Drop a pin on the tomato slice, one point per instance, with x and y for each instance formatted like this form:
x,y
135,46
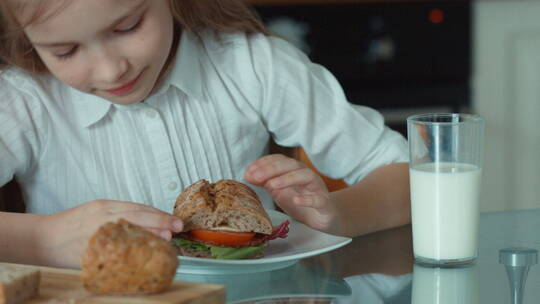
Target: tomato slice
x,y
221,237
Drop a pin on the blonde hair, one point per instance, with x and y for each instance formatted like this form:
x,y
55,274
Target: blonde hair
x,y
192,15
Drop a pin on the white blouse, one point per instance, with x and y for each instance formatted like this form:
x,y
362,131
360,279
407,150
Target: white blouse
x,y
213,115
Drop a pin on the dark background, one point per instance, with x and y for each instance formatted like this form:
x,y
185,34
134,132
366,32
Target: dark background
x,y
426,65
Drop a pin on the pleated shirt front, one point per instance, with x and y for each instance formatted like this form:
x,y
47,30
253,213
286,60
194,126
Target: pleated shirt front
x,y
214,114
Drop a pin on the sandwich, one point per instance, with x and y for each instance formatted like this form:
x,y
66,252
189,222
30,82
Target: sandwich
x,y
223,220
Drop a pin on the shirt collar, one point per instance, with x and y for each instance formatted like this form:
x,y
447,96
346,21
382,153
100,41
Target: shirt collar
x,y
184,75
90,108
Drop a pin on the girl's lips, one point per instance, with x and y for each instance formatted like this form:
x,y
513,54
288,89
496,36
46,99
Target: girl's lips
x,y
125,88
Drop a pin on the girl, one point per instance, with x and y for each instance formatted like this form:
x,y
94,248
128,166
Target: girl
x,y
108,108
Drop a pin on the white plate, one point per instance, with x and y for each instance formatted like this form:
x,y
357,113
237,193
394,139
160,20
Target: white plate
x,y
302,242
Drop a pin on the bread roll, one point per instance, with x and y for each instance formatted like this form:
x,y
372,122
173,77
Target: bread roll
x,y
122,258
226,203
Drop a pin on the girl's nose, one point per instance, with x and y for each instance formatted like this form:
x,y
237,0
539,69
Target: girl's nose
x,y
110,67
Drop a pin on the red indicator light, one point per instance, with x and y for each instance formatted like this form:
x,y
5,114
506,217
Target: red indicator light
x,y
436,15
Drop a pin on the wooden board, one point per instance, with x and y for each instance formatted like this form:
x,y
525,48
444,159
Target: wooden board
x,y
64,286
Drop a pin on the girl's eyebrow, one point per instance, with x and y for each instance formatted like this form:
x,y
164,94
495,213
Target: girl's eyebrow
x,y
113,25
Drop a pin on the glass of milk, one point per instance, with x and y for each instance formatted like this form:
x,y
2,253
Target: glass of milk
x,y
443,285
445,170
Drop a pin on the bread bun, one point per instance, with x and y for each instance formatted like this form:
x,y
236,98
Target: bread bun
x,y
226,203
122,258
18,283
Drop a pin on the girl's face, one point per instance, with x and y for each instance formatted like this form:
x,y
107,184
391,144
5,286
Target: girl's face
x,y
115,49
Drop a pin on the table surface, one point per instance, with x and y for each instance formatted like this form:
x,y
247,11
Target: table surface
x,y
380,268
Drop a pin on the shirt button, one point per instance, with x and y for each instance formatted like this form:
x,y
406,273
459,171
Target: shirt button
x,y
172,186
151,113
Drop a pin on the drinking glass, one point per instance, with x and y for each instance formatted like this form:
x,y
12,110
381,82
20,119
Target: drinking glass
x,y
444,285
445,172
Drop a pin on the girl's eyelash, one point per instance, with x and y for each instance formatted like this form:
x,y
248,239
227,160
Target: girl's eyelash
x,y
71,52
66,55
131,29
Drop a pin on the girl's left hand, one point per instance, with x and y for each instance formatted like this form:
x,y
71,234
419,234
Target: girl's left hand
x,y
297,189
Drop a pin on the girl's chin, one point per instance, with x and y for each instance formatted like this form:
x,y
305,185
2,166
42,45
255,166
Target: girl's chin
x,y
124,100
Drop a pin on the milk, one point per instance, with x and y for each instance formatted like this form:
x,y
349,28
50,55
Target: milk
x,y
445,211
433,285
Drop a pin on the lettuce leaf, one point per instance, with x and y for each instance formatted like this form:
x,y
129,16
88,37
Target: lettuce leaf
x,y
190,244
225,253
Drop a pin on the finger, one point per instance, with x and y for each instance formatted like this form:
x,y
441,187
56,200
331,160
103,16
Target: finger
x,y
164,234
293,178
266,160
122,206
311,200
271,166
152,220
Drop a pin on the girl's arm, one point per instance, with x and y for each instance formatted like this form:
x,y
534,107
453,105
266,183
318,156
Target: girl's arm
x,y
379,201
23,238
60,239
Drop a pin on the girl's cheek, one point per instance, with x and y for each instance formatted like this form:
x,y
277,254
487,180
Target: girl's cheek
x,y
68,72
74,77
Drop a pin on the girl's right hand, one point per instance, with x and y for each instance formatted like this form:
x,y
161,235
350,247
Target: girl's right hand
x,y
68,232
